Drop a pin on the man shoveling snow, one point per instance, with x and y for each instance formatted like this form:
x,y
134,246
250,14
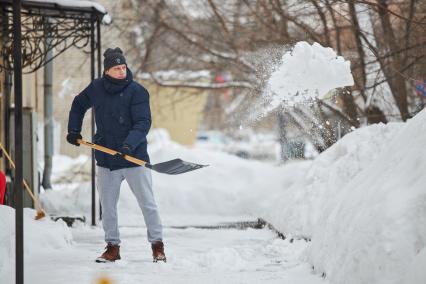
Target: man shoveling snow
x,y
123,119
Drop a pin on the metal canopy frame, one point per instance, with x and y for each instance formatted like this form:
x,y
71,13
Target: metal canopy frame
x,y
66,26
25,24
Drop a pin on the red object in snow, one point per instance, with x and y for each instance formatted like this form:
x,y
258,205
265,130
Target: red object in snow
x,y
2,186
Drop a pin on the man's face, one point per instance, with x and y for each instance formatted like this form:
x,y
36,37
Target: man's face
x,y
117,72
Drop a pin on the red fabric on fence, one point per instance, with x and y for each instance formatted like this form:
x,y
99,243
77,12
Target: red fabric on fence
x,y
2,186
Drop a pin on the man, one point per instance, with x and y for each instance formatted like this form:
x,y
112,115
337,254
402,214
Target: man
x,y
123,119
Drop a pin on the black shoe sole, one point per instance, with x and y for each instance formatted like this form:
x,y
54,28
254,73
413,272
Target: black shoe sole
x,y
99,260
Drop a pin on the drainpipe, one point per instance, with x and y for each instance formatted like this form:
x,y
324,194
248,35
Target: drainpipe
x,y
48,116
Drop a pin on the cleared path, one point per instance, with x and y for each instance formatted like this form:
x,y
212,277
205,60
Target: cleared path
x,y
195,253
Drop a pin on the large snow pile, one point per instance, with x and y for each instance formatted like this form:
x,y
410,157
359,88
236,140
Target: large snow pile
x,y
363,203
39,236
307,72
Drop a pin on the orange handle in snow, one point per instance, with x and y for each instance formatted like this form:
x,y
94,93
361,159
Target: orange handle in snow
x,y
38,205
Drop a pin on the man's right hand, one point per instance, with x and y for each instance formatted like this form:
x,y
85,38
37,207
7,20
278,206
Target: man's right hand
x,y
72,138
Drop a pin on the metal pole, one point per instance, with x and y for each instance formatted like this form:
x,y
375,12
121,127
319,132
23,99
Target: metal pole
x,y
48,113
7,98
92,74
98,26
98,34
17,70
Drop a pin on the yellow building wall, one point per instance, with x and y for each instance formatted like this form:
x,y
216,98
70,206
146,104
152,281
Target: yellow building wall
x,y
179,110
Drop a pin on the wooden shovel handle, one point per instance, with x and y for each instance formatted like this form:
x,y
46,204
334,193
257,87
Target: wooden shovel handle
x,y
111,152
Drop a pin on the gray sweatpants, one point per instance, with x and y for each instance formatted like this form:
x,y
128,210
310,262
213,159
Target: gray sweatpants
x,y
140,182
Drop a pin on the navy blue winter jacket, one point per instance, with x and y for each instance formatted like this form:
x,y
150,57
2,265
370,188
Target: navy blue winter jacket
x,y
122,116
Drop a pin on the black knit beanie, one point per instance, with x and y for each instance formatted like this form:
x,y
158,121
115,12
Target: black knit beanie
x,y
113,57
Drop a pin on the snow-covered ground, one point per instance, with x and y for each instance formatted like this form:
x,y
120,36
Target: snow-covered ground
x,y
200,198
362,203
42,237
194,256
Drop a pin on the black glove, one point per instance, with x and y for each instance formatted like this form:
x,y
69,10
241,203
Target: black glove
x,y
124,150
72,138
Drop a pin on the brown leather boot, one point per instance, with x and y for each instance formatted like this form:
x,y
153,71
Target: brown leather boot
x,y
111,254
158,251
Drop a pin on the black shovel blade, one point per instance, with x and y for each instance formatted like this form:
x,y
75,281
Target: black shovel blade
x,y
175,167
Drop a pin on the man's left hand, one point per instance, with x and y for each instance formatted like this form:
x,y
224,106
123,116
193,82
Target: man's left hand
x,y
124,150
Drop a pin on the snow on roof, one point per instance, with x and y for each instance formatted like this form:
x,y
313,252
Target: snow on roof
x,y
177,75
201,79
75,4
193,9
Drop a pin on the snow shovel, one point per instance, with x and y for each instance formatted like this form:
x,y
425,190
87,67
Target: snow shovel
x,y
172,167
40,212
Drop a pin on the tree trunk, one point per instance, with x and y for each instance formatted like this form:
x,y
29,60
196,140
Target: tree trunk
x,y
392,66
